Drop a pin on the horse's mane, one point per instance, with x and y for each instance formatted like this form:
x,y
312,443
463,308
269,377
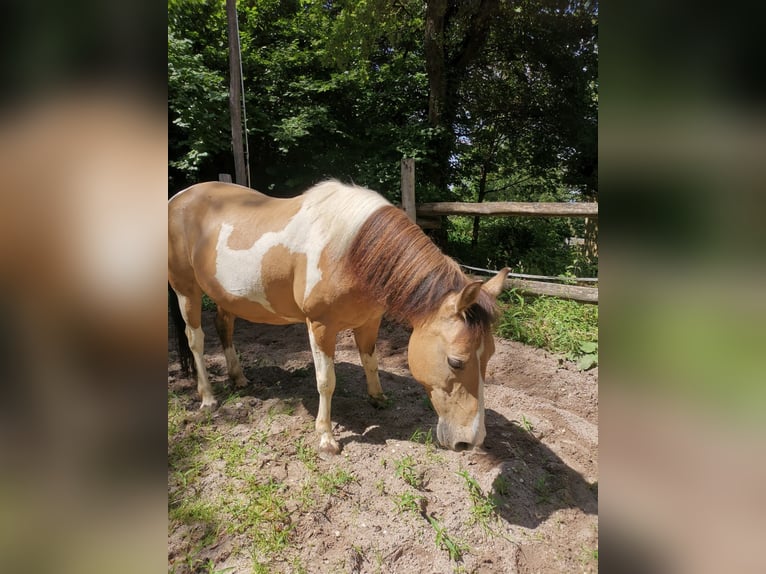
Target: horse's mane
x,y
403,270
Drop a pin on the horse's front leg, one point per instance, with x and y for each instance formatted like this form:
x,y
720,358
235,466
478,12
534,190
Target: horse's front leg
x,y
365,337
323,348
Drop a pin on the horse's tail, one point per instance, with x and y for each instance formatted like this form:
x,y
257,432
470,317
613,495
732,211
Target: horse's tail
x,y
185,356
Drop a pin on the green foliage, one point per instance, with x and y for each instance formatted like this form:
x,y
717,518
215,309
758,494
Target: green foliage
x,y
405,469
455,547
333,481
561,326
341,89
408,502
483,506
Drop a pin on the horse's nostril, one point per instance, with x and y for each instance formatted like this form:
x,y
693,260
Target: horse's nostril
x,y
461,446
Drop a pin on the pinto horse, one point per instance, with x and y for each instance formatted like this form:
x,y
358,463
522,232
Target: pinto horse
x,y
337,257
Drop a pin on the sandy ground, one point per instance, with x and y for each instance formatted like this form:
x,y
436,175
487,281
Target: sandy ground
x,y
539,463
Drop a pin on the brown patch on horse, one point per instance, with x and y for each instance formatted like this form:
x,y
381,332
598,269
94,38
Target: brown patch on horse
x,y
405,272
273,215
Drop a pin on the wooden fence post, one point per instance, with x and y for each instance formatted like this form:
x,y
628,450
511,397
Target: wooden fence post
x,y
408,187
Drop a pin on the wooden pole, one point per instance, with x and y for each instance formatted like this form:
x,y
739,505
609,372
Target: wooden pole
x,y
408,187
235,94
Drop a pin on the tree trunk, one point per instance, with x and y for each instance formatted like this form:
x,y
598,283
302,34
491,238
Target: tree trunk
x,y
445,67
436,69
235,94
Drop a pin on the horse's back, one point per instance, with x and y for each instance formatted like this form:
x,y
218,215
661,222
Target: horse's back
x,y
262,257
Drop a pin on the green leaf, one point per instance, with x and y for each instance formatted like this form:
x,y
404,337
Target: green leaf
x,y
587,361
589,347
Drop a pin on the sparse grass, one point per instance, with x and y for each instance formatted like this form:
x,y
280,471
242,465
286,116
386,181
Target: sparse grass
x,y
427,439
455,547
561,326
405,469
193,511
408,502
543,489
526,424
306,454
332,482
502,485
484,507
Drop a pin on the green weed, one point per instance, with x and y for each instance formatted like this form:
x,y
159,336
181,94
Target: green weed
x,y
483,507
502,485
543,489
526,424
408,502
561,326
332,482
456,548
405,469
306,454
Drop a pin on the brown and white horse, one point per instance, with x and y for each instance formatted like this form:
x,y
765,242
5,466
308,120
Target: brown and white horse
x,y
337,257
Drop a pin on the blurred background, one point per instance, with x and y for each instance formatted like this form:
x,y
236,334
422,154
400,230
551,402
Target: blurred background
x,y
83,185
682,149
83,178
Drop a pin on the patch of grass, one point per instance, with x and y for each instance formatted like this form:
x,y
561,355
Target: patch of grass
x,y
306,454
208,304
526,424
332,482
455,547
502,485
408,502
427,439
483,507
561,326
405,469
193,511
543,489
232,398
259,510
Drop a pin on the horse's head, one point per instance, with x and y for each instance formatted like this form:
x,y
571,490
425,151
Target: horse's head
x,y
448,355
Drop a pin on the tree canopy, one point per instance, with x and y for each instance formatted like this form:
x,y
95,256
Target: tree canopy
x,y
494,99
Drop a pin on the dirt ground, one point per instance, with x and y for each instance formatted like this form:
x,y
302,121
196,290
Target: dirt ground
x,y
537,472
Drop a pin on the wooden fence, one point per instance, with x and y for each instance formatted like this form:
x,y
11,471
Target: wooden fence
x,y
425,213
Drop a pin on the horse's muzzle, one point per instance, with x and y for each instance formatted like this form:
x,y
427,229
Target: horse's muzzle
x,y
460,438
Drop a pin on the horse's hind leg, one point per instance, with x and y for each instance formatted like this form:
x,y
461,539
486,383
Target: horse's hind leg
x,y
191,310
365,337
224,324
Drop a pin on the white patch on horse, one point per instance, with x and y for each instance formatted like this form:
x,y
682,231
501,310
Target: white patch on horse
x,y
479,431
239,270
329,218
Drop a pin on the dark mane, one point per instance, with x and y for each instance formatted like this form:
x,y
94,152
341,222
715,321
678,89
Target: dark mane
x,y
400,266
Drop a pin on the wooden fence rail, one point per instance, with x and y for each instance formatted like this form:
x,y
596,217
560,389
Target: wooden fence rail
x,y
425,213
509,208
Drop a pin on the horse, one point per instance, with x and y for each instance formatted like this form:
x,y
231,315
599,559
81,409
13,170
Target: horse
x,y
336,257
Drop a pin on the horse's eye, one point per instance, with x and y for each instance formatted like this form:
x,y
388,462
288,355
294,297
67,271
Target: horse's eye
x,y
455,363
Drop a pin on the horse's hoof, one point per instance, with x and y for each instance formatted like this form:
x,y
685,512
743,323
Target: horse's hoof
x,y
241,382
380,401
328,448
208,405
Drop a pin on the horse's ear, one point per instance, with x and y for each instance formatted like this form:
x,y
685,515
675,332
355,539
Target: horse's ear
x,y
495,285
467,296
